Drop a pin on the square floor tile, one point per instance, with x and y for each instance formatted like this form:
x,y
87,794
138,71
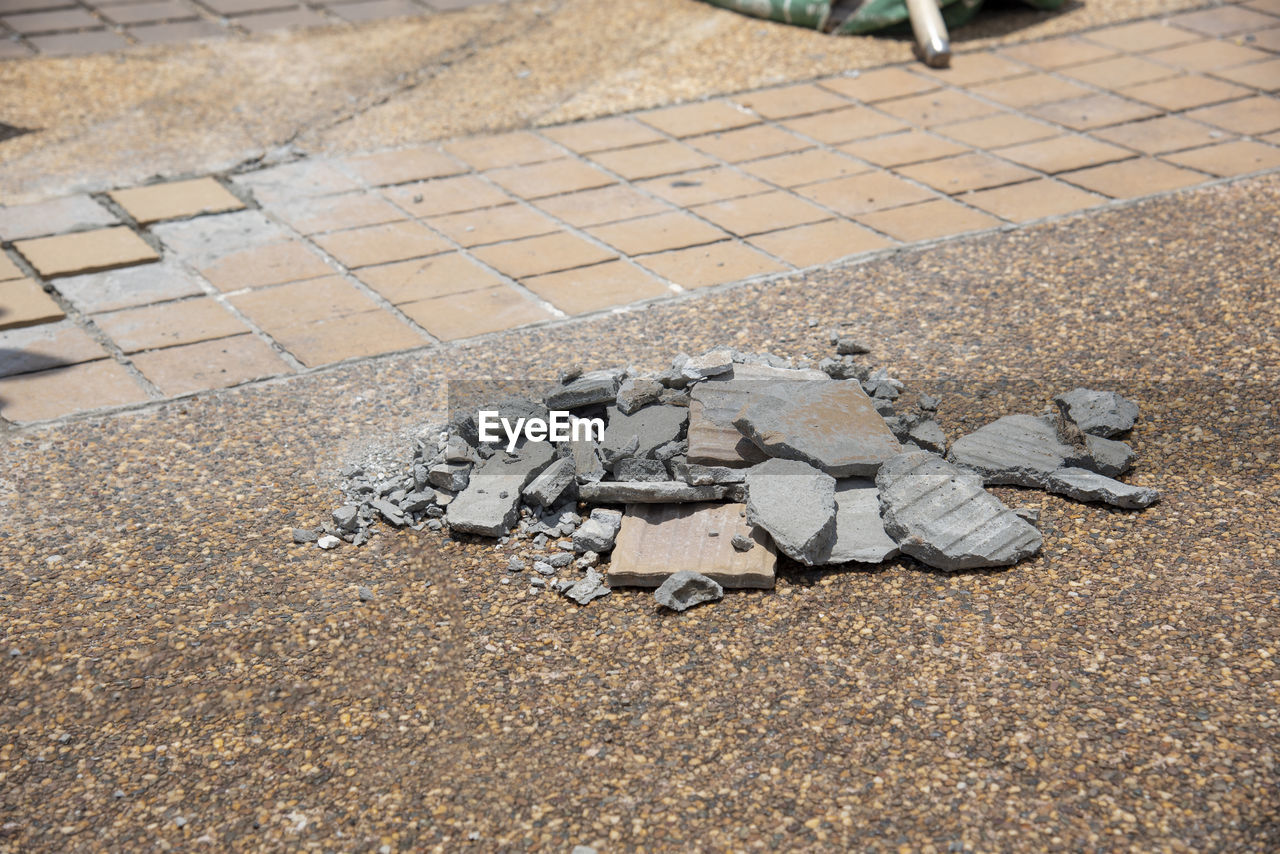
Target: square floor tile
x,y
8,269
837,126
1207,55
427,278
1029,90
1118,72
996,131
1222,21
547,254
85,251
749,143
210,364
78,44
49,345
765,212
1033,200
900,148
860,194
549,178
273,264
475,313
176,200
607,204
129,286
335,213
966,172
713,264
1141,36
698,118
1266,39
657,233
55,216
374,10
52,20
508,149
1183,93
206,239
509,222
404,165
290,19
1259,75
1093,111
351,336
1157,136
24,303
1257,115
63,391
382,244
935,108
819,242
1132,178
151,327
705,185
970,69
446,195
648,161
300,303
605,285
1228,159
143,13
602,134
804,167
178,31
788,101
928,221
1057,52
878,84
1064,153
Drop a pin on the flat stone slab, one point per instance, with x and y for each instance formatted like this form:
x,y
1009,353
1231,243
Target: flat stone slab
x,y
713,440
796,504
649,428
1084,485
649,492
588,389
831,425
860,534
657,541
488,505
1099,413
1022,450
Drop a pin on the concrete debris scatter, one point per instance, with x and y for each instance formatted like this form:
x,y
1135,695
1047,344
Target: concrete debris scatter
x,y
708,471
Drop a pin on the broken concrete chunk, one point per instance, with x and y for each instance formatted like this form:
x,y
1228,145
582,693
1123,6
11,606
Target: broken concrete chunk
x,y
451,476
587,466
946,520
635,469
1084,485
547,487
712,363
645,429
684,589
1099,413
346,517
637,392
848,346
304,535
598,533
741,543
697,475
622,492
1110,457
929,435
458,451
1017,449
830,425
860,534
795,503
659,540
843,368
488,504
416,502
389,511
586,390
590,587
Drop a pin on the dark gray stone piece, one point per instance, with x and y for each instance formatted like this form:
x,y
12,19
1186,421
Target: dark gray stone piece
x,y
547,487
622,492
346,517
647,428
1084,485
635,469
588,389
928,435
684,589
304,535
488,505
795,503
451,476
589,588
1110,457
1099,413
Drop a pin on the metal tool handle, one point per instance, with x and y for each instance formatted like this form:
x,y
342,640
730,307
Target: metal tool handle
x,y
932,43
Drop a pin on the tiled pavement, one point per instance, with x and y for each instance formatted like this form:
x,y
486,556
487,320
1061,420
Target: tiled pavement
x,y
61,27
150,292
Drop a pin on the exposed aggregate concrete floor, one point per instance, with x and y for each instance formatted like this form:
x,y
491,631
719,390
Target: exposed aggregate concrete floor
x,y
185,673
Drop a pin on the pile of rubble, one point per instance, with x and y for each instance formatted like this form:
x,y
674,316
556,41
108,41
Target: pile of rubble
x,y
705,472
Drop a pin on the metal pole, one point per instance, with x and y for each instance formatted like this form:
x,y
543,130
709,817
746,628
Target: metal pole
x,y
932,43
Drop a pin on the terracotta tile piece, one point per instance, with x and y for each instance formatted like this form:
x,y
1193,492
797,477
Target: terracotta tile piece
x,y
648,161
607,204
928,221
151,327
996,131
85,251
657,540
210,364
382,244
446,195
704,185
879,84
1257,115
475,313
860,194
657,233
1119,72
508,149
838,126
1140,36
427,278
48,345
24,303
1057,52
8,269
549,178
1033,200
804,167
935,108
404,165
1093,111
176,199
1132,178
273,264
1222,21
749,143
62,391
1259,75
1229,158
714,264
300,303
1031,89
697,118
820,242
593,288
1184,93
1156,136
509,222
766,212
1207,55
788,101
602,134
910,147
547,254
966,172
1064,153
351,336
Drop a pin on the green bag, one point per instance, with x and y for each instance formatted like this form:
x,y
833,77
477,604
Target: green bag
x,y
858,16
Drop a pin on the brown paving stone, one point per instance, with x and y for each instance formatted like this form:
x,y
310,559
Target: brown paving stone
x,y
427,278
78,44
1256,115
593,288
10,49
1222,21
85,251
289,19
382,244
1271,7
934,108
273,264
1031,89
210,364
300,303
509,149
966,172
180,31
819,242
860,194
1259,75
54,20
672,230
789,101
713,264
651,160
374,10
607,204
1183,93
1132,178
1140,36
1157,136
1032,200
62,391
659,540
404,165
1273,138
351,336
8,269
970,69
549,178
166,324
1064,153
240,7
697,119
1093,111
749,143
446,195
48,345
1057,52
509,222
142,13
176,199
54,216
928,221
602,134
766,212
547,254
1228,159
24,303
704,185
837,126
804,167
1269,39
475,313
1207,55
1119,72
334,213
879,84
910,147
996,131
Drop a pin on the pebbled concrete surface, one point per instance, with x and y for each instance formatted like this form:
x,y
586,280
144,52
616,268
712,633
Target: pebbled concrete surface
x,y
184,673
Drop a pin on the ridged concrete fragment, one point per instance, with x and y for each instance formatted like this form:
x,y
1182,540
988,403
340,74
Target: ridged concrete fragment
x,y
1022,450
585,390
796,504
1084,485
659,540
713,440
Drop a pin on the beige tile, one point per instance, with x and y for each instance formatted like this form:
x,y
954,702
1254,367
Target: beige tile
x,y
404,165
602,134
334,213
475,313
63,391
789,101
1271,7
671,230
714,264
1228,159
607,204
928,221
549,178
506,149
705,185
1266,39
351,336
935,108
658,540
879,84
446,195
1093,111
382,244
765,212
8,269
648,161
819,242
1183,93
176,199
547,254
1032,200
509,222
301,303
24,303
210,364
749,143
698,118
996,131
1058,52
1140,36
167,324
1156,136
1119,72
1259,75
45,346
836,126
85,251
1207,56
605,285
1222,21
1029,90
860,194
966,172
910,147
273,264
1132,178
1253,116
1064,153
804,167
427,278
971,69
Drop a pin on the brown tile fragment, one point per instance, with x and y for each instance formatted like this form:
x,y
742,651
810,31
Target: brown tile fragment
x,y
606,204
934,108
671,230
301,303
1031,89
658,540
1257,115
475,313
1157,136
602,134
1057,52
593,288
547,254
1093,111
1119,72
1064,153
837,126
910,147
820,242
351,336
697,118
404,165
928,221
151,327
209,364
24,303
8,269
86,251
549,178
382,244
1259,75
63,391
765,212
1184,93
509,222
446,195
713,264
804,167
1033,200
997,131
1207,55
1222,21
273,264
653,159
785,102
863,193
427,278
879,84
176,199
1228,159
704,185
749,143
1132,178
1140,37
970,69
